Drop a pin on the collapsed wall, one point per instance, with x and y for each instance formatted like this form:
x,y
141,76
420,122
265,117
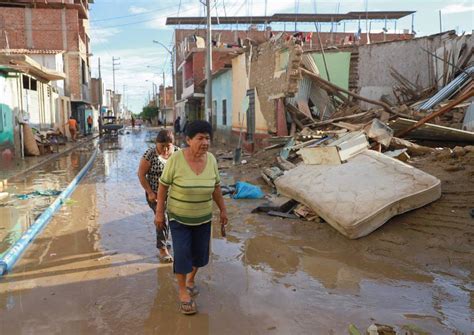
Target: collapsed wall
x,y
275,74
410,59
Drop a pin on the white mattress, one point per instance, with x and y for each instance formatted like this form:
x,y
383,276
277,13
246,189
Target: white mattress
x,y
361,195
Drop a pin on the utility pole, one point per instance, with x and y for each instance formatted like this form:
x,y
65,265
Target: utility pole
x,y
440,22
164,90
123,98
114,64
100,92
209,66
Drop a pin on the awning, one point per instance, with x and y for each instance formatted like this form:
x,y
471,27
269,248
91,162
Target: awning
x,y
25,64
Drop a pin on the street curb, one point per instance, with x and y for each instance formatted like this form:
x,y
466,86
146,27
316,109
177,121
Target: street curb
x,y
49,158
10,258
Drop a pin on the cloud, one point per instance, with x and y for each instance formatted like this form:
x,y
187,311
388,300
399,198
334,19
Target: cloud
x,y
102,35
133,71
137,10
457,8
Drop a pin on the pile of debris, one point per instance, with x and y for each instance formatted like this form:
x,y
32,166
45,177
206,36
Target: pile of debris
x,y
349,170
38,142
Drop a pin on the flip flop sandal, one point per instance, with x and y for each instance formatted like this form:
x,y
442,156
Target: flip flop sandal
x,y
193,291
166,259
188,307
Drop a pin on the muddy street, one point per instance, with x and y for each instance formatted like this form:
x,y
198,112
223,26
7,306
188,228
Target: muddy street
x,y
94,269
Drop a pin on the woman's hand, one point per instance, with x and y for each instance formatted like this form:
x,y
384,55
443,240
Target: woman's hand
x,y
151,197
223,221
160,220
223,217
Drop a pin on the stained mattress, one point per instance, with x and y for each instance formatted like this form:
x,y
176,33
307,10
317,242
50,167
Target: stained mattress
x,y
361,195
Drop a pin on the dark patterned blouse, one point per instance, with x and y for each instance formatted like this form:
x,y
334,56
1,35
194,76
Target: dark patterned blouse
x,y
156,168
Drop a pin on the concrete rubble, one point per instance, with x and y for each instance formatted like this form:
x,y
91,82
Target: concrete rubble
x,y
351,167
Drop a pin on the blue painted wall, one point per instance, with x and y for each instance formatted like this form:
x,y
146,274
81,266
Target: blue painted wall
x,y
222,90
6,116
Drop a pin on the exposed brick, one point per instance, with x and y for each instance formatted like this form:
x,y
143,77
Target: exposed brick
x,y
46,33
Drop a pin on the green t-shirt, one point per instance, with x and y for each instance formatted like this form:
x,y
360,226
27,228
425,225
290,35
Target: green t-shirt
x,y
189,194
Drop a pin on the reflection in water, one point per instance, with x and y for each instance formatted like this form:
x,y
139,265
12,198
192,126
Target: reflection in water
x,y
18,215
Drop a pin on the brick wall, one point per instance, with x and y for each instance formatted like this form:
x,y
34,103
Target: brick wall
x,y
269,86
46,32
74,76
219,61
169,96
259,36
12,21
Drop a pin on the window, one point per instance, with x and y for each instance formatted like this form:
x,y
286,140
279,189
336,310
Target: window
x,y
29,83
224,112
214,115
26,82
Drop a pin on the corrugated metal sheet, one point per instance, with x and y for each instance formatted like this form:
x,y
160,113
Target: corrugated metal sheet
x,y
309,63
449,89
468,123
300,100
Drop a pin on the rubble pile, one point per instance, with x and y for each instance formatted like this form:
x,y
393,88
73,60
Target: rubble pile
x,y
349,169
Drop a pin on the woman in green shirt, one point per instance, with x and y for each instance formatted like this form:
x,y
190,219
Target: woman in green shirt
x,y
189,184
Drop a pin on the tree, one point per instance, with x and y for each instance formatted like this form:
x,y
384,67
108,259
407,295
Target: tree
x,y
149,112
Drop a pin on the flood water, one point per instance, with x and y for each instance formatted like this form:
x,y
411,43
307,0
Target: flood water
x,y
94,270
20,210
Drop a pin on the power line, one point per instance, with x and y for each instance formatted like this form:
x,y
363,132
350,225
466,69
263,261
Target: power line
x,y
151,11
100,27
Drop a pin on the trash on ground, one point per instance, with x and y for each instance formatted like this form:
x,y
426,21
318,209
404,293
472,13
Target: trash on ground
x,y
247,191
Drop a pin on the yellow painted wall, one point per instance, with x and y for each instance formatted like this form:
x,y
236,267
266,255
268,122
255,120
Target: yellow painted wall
x,y
239,98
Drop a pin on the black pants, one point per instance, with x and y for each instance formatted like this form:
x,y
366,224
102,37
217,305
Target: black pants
x,y
162,235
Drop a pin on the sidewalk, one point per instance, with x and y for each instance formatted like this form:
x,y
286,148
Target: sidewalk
x,y
20,165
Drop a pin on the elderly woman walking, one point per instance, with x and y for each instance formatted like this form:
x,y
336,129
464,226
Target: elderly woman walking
x,y
189,183
149,172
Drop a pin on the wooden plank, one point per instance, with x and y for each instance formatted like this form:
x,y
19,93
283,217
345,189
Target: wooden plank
x,y
430,131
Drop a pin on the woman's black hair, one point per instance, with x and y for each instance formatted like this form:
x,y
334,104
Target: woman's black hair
x,y
165,136
198,126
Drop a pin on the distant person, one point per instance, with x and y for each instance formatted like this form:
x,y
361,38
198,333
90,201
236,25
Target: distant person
x,y
150,169
188,185
89,124
185,126
72,123
133,122
177,125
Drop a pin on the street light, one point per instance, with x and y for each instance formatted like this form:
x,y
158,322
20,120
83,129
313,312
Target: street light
x,y
172,77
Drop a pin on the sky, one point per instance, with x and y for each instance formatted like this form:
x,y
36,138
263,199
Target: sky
x,y
126,29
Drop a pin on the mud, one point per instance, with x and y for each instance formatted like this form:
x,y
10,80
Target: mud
x,y
95,270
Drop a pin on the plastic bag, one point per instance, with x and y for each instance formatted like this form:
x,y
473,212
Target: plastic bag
x,y
247,191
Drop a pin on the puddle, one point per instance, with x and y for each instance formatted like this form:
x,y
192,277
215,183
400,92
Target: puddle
x,y
16,214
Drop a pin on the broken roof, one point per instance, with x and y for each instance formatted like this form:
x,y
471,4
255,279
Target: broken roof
x,y
372,15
